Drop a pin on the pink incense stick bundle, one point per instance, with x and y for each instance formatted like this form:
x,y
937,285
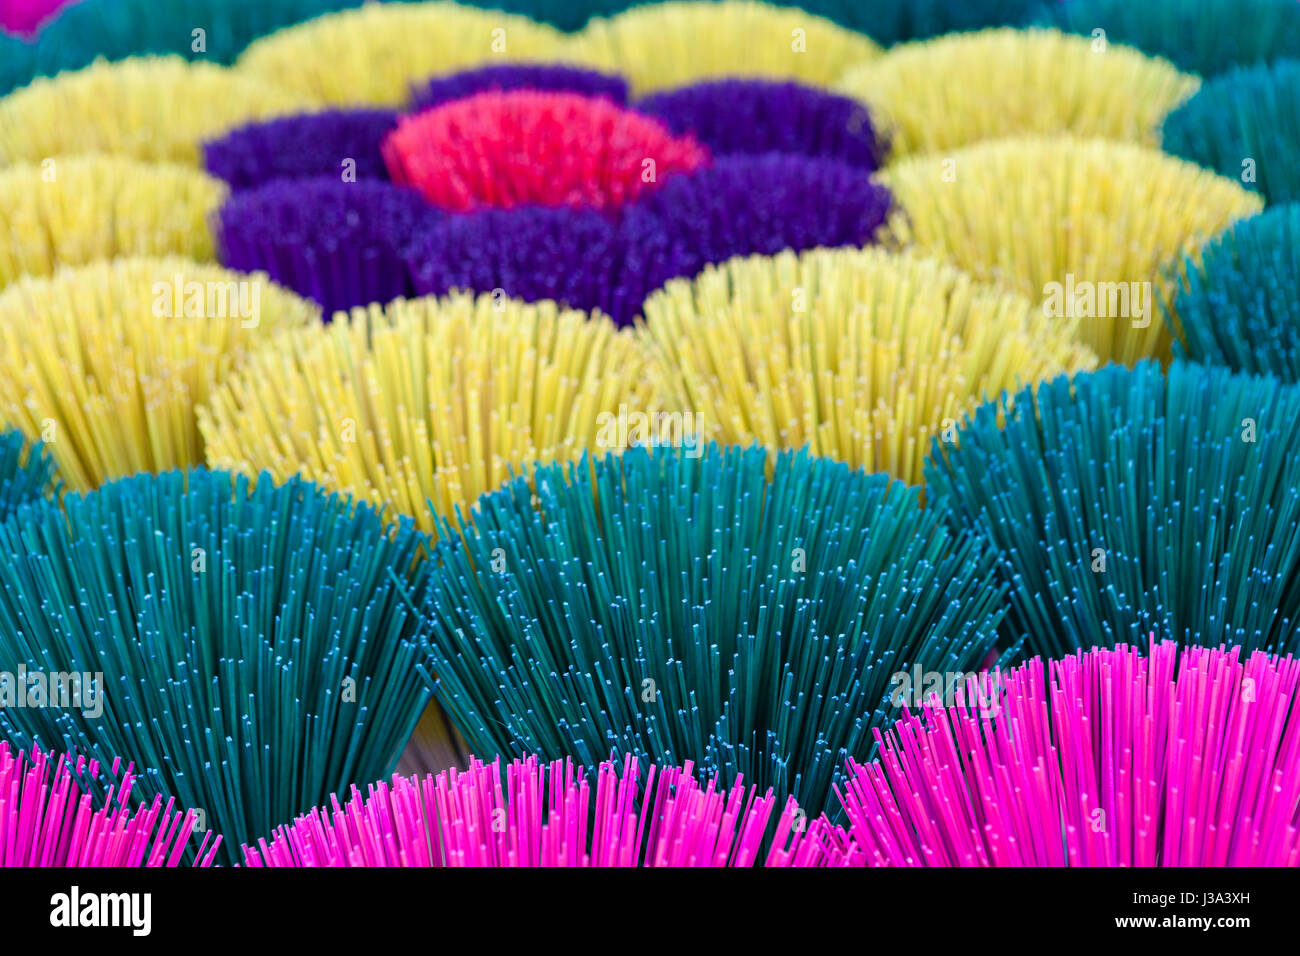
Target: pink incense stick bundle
x,y
22,17
1106,758
523,147
47,820
543,816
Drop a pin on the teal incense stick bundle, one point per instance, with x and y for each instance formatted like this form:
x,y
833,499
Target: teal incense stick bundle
x,y
1125,756
1237,305
686,604
1244,124
26,471
1127,501
15,62
1199,36
247,647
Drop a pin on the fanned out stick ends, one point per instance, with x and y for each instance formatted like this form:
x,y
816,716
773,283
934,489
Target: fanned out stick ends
x,y
88,29
1237,304
497,149
660,45
1124,501
378,52
73,210
862,355
745,116
148,108
675,603
425,404
537,814
1244,125
248,647
579,257
46,818
1200,36
26,471
108,361
302,146
339,243
1086,228
962,88
507,77
1184,757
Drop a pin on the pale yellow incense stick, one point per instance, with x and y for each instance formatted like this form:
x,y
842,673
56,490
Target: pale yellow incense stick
x,y
71,210
151,108
427,400
966,87
670,44
107,362
375,53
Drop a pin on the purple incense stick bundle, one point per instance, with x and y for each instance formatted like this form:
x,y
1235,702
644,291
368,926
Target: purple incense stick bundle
x,y
506,77
574,256
752,205
339,243
732,116
742,205
338,143
46,819
544,815
1106,758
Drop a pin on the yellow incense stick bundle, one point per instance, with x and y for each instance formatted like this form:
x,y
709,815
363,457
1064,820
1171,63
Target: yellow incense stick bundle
x,y
374,54
670,44
1086,228
107,362
966,87
151,108
863,355
71,210
426,401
